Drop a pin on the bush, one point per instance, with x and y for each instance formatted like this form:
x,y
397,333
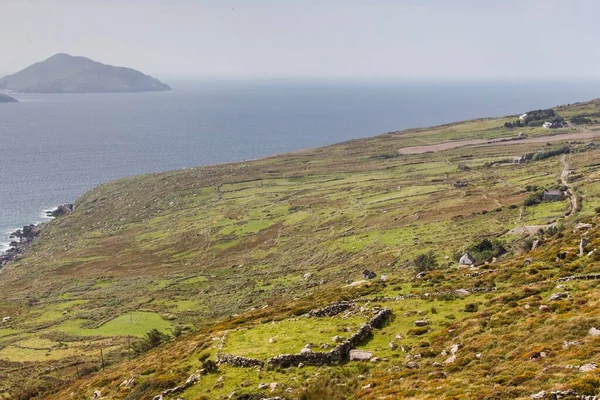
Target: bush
x,y
418,331
425,262
153,338
471,307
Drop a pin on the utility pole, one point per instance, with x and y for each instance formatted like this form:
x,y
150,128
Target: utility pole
x,y
102,358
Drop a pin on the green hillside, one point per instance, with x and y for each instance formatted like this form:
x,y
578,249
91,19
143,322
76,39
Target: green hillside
x,y
228,259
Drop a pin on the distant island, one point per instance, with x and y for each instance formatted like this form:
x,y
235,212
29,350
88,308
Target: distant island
x,y
4,98
63,73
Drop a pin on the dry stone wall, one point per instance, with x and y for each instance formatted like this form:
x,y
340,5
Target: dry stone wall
x,y
339,353
331,310
238,361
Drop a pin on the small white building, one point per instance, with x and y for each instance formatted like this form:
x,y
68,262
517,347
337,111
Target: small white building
x,y
466,259
523,117
547,125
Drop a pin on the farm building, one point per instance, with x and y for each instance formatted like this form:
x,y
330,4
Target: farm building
x,y
466,259
553,195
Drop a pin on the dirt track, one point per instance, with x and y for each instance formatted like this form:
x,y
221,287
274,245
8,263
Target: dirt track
x,y
499,142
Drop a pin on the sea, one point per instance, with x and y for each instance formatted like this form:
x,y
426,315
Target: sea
x,y
55,147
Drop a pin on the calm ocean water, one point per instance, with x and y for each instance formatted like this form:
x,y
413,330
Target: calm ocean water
x,y
55,147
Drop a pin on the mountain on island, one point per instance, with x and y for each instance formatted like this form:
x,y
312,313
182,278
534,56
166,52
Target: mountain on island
x,y
63,73
4,98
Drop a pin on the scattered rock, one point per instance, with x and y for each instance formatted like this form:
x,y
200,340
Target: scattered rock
x,y
369,386
368,274
594,332
478,356
128,382
337,339
262,386
538,395
421,322
375,359
6,319
462,292
454,348
412,365
588,367
307,276
272,340
450,359
558,296
544,308
399,337
567,344
393,346
383,278
273,386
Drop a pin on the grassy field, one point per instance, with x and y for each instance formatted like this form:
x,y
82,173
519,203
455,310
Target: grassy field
x,y
243,249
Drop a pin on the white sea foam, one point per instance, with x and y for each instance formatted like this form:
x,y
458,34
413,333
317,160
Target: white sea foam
x,y
5,236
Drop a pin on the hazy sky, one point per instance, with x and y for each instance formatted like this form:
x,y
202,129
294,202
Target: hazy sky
x,y
311,38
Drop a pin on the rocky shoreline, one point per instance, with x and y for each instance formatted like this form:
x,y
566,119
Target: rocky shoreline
x,y
21,239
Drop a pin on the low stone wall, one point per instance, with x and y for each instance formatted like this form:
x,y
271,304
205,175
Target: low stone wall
x,y
579,277
237,361
339,353
331,310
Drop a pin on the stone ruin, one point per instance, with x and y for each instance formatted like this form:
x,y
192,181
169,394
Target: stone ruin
x,y
339,353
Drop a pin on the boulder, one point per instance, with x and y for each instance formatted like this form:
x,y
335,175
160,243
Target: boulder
x,y
450,359
594,332
421,322
538,395
588,367
454,348
559,296
544,308
360,355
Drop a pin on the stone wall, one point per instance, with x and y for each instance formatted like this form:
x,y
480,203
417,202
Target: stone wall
x,y
579,277
238,361
339,353
331,310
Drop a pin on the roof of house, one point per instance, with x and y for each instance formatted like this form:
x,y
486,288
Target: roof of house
x,y
553,192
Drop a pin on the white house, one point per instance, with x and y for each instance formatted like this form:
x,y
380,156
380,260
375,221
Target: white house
x,y
466,259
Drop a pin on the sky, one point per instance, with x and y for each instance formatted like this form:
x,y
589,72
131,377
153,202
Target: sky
x,y
356,39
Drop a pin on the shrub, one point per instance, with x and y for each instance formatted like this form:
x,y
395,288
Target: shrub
x,y
153,338
425,262
418,331
471,307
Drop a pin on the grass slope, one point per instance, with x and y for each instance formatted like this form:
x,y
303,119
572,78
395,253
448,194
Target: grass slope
x,y
246,248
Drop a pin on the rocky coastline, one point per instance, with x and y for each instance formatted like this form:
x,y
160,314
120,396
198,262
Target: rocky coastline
x,y
21,239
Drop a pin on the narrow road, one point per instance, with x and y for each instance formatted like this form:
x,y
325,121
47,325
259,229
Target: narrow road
x,y
570,194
